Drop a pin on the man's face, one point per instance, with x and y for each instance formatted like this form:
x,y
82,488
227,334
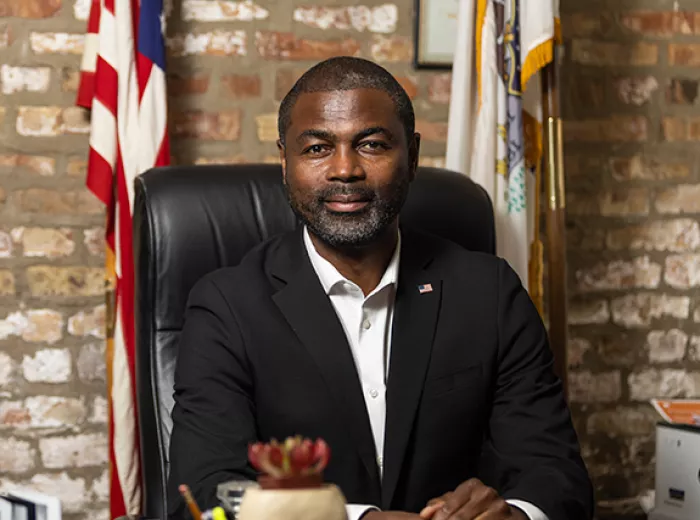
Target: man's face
x,y
347,165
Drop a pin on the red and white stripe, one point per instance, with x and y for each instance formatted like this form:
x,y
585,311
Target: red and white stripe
x,y
127,95
155,151
86,90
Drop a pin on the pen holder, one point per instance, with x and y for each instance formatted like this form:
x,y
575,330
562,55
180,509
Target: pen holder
x,y
315,503
291,483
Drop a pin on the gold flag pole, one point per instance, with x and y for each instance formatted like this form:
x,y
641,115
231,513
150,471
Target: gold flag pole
x,y
553,170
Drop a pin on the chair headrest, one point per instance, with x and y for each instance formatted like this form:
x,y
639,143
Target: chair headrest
x,y
190,220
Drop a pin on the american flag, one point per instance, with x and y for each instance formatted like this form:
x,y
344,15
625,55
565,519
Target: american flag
x,y
425,288
123,83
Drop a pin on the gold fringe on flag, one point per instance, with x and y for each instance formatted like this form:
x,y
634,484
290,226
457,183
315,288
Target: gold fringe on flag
x,y
110,322
539,57
480,17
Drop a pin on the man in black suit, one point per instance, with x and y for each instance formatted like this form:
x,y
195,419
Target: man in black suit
x,y
424,366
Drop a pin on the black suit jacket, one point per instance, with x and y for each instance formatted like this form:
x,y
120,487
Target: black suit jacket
x,y
470,392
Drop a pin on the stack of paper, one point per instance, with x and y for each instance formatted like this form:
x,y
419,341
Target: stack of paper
x,y
19,504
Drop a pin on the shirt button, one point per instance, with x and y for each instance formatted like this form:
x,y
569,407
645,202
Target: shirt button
x,y
380,461
366,324
373,393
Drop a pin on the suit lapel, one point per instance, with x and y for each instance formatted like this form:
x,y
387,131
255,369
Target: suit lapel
x,y
415,321
310,313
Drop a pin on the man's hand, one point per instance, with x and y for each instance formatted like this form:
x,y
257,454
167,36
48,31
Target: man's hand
x,y
390,515
472,500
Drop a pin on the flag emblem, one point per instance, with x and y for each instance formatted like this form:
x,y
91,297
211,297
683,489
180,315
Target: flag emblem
x,y
425,288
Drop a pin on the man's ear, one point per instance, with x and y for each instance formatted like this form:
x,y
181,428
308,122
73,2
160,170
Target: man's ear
x,y
283,160
414,154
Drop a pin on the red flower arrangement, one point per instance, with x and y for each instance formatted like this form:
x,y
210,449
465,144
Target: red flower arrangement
x,y
296,463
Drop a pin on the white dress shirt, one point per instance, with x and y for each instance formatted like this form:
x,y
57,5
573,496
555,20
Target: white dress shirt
x,y
367,321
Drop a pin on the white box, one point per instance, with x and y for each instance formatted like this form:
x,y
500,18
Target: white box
x,y
677,472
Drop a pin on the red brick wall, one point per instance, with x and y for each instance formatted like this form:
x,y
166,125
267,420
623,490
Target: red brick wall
x,y
629,101
52,401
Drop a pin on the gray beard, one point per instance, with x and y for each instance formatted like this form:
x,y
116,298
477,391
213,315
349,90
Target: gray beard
x,y
355,230
351,230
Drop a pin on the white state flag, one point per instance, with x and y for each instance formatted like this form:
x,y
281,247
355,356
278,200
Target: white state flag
x,y
493,131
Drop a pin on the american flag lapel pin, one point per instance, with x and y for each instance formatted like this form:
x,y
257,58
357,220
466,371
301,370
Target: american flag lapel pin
x,y
425,288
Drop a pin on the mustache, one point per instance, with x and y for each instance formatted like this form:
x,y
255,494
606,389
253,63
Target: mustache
x,y
362,192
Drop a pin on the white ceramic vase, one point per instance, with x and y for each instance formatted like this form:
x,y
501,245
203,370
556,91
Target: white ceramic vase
x,y
323,503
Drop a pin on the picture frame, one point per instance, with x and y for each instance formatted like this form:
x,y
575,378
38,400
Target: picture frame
x,y
435,33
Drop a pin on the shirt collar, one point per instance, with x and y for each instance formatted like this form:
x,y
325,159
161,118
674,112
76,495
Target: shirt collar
x,y
330,277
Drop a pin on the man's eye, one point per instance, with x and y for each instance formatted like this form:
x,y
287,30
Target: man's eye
x,y
315,148
374,145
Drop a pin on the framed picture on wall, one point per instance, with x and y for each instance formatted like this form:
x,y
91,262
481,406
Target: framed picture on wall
x,y
435,33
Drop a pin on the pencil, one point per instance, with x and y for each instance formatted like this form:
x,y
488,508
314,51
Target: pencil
x,y
189,500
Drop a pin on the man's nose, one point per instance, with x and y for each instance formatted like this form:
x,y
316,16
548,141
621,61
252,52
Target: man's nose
x,y
346,165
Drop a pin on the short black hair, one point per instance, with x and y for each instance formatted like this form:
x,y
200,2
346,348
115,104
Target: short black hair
x,y
348,73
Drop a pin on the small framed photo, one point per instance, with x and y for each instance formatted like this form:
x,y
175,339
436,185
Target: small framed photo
x,y
435,33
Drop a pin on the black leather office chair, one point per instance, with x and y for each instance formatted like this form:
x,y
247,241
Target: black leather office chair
x,y
190,220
